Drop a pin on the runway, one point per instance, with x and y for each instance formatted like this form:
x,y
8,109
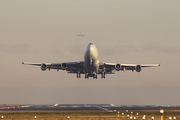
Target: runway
x,y
83,107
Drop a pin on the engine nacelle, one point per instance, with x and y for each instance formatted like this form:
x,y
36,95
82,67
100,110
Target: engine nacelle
x,y
118,67
63,66
138,68
43,66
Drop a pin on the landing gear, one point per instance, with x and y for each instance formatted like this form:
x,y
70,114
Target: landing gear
x,y
95,76
86,76
78,75
103,75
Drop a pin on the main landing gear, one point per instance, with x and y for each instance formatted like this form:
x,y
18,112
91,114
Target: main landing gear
x,y
103,75
78,75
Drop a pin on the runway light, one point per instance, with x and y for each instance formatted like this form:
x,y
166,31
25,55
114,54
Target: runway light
x,y
161,111
131,114
152,118
134,118
174,118
122,115
2,117
137,115
131,118
68,117
170,118
35,117
143,118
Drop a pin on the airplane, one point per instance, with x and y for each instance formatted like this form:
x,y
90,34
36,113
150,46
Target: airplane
x,y
91,66
81,34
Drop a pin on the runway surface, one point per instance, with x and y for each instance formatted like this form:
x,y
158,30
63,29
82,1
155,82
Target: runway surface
x,y
82,107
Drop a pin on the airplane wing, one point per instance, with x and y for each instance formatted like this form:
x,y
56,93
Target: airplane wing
x,y
110,68
71,67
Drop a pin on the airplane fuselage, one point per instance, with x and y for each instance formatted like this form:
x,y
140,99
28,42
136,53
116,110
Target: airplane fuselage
x,y
91,64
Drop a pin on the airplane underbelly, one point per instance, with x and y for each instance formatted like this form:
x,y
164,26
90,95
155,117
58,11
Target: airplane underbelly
x,y
91,68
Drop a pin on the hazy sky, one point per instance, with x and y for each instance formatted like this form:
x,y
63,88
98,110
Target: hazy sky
x,y
124,31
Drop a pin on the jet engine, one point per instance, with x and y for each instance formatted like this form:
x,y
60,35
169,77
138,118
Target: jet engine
x,y
43,66
118,67
138,68
63,66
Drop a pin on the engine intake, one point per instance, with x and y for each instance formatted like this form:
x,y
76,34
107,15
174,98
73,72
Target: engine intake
x,y
138,68
43,66
63,66
118,67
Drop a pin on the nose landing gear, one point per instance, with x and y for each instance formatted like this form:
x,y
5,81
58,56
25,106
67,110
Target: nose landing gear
x,y
91,75
86,76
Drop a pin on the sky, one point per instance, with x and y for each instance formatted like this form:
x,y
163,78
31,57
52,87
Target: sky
x,y
124,31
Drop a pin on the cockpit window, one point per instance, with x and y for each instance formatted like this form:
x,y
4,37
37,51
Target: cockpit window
x,y
91,44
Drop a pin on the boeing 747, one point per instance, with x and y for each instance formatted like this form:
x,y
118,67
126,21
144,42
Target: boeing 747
x,y
91,66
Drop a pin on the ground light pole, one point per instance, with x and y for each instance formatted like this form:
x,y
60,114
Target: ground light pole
x,y
137,115
68,117
143,117
131,114
118,113
161,111
122,115
2,117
